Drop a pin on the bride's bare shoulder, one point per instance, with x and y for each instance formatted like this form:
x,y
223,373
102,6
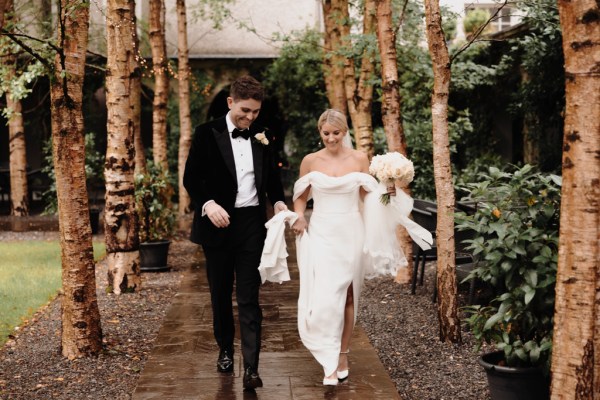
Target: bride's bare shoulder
x,y
361,160
306,165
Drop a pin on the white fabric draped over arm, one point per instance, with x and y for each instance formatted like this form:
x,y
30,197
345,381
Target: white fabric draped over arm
x,y
273,261
382,250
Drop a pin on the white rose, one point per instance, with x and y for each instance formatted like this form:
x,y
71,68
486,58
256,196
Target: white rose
x,y
261,137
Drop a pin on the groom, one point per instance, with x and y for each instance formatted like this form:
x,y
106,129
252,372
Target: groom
x,y
229,173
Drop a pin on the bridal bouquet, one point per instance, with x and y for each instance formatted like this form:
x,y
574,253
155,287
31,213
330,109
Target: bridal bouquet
x,y
391,167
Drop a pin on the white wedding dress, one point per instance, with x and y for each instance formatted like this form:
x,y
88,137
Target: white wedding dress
x,y
346,240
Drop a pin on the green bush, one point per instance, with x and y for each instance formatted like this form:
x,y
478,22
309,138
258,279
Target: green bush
x,y
154,206
94,172
516,242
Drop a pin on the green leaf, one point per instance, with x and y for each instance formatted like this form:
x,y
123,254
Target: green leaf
x,y
519,250
529,294
556,179
493,320
546,252
521,354
506,266
531,276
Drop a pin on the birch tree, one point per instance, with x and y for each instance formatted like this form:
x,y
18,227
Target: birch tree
x,y
359,94
336,17
135,95
160,64
19,196
444,188
3,7
185,121
390,105
81,329
576,340
121,223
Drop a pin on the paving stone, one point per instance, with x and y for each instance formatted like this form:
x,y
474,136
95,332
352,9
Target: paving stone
x,y
182,363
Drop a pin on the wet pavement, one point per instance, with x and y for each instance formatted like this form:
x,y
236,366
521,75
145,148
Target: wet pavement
x,y
182,362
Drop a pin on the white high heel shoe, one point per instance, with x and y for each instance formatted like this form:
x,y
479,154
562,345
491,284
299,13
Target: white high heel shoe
x,y
330,381
343,375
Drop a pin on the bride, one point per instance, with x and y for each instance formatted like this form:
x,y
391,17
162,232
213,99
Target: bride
x,y
331,249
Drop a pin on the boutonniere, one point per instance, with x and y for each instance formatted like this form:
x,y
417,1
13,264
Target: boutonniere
x,y
262,138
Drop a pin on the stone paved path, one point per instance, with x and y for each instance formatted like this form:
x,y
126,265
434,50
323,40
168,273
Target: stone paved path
x,y
182,363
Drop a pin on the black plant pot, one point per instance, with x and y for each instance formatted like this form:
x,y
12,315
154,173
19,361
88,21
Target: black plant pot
x,y
95,220
153,256
514,383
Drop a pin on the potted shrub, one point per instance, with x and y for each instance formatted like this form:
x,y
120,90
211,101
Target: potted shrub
x,y
516,243
156,217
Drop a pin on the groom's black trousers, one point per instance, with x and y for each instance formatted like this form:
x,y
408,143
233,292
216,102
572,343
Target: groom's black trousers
x,y
238,258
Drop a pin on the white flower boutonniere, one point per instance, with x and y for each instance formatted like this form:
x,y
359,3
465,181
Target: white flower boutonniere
x,y
262,138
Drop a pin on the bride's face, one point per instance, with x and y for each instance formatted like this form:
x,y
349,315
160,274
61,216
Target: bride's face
x,y
332,136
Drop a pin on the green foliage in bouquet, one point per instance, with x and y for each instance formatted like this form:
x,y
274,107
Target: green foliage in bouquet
x,y
153,193
516,242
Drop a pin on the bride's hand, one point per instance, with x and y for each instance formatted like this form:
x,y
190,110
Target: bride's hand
x,y
391,190
299,226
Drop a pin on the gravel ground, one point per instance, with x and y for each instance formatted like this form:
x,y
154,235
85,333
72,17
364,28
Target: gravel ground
x,y
402,327
31,366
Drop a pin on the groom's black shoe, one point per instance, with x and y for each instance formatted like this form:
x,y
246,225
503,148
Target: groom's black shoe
x,y
225,361
252,379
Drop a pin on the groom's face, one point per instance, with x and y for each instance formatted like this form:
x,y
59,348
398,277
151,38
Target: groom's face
x,y
243,112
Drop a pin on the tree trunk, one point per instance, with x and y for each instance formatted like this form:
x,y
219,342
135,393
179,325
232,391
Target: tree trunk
x,y
576,340
390,105
136,96
3,7
120,216
160,66
81,330
19,197
359,96
185,121
335,15
446,263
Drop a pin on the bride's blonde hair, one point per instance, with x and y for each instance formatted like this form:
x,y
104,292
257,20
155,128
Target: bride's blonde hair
x,y
335,118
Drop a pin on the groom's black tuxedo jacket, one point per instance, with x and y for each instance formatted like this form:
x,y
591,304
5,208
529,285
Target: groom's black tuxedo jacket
x,y
210,174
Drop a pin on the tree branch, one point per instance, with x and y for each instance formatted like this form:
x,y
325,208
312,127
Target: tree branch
x,y
22,35
28,49
401,21
477,33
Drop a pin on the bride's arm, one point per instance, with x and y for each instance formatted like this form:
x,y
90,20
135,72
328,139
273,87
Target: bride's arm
x,y
300,202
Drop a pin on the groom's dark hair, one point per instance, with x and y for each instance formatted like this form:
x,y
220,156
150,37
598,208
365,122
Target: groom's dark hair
x,y
246,87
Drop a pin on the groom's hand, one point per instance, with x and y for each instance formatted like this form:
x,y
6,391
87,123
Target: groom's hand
x,y
217,215
279,206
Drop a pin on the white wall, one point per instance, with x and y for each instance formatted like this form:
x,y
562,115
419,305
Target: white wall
x,y
265,17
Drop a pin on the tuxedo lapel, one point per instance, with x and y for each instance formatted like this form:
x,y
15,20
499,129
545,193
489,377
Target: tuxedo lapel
x,y
257,159
224,144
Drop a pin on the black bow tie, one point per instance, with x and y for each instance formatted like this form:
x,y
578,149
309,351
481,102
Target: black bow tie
x,y
237,133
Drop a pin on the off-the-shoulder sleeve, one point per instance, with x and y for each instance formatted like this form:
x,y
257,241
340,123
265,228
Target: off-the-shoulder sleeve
x,y
300,186
368,182
382,250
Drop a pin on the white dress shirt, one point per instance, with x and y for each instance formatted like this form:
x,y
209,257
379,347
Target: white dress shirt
x,y
244,169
